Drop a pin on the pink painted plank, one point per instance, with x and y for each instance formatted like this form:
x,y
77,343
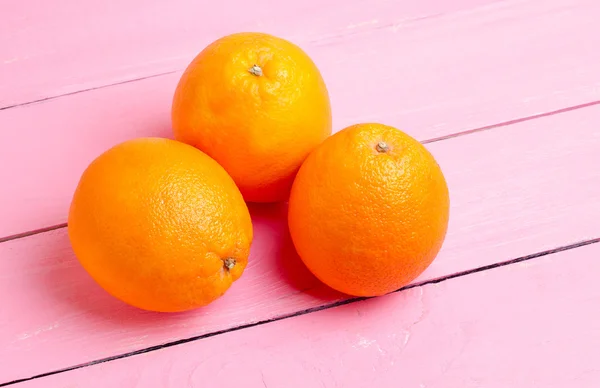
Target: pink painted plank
x,y
533,324
58,47
431,77
521,189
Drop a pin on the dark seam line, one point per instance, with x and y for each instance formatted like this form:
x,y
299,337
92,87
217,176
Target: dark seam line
x,y
511,122
87,90
32,232
434,140
307,311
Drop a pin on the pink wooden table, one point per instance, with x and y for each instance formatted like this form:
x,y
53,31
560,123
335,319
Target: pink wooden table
x,y
505,93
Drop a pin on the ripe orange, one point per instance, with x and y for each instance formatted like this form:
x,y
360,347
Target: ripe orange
x,y
258,105
160,225
369,209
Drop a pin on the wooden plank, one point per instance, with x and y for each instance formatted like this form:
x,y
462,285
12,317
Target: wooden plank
x,y
58,47
525,188
432,77
533,324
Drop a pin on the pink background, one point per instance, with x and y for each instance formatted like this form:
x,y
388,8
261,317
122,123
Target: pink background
x,y
504,93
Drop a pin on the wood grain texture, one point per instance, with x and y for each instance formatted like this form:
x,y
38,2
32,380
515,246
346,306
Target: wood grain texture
x,y
432,76
532,324
514,191
52,48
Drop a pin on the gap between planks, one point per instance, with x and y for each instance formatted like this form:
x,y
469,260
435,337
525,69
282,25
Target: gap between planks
x,y
428,141
309,310
523,325
511,122
32,232
50,98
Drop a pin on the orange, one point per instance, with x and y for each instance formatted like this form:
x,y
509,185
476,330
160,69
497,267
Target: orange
x,y
160,225
369,209
258,105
